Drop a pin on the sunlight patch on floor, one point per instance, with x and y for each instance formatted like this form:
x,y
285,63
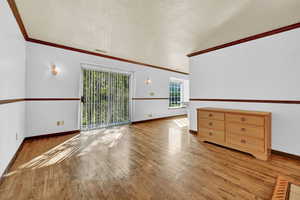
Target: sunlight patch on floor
x,y
54,155
182,122
108,138
174,140
83,143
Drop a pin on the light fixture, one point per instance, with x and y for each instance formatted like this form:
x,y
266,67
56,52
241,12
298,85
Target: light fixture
x,y
54,70
148,81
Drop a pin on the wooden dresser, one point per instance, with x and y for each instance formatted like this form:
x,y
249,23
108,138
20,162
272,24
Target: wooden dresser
x,y
247,131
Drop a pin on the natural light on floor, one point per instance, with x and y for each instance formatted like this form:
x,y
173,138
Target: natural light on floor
x,y
84,143
174,140
182,122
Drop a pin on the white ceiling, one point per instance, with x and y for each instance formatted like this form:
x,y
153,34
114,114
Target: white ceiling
x,y
157,32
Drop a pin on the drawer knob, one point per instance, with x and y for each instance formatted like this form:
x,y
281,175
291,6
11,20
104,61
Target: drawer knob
x,y
243,129
243,119
210,133
210,123
243,141
210,115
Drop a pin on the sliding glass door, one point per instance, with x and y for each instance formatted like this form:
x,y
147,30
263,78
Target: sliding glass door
x,y
105,100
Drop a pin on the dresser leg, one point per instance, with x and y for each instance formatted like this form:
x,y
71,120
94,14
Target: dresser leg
x,y
261,156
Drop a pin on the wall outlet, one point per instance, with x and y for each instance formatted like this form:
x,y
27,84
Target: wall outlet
x,y
60,123
17,136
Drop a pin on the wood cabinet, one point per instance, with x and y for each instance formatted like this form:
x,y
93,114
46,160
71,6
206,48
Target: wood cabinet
x,y
247,131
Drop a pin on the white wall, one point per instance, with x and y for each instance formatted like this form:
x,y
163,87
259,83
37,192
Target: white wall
x,y
42,116
12,85
267,68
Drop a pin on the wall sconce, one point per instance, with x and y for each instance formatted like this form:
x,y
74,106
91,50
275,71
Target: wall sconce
x,y
148,81
54,70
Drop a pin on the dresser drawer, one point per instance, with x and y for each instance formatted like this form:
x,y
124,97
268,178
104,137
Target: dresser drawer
x,y
246,130
246,119
243,130
212,135
246,143
211,115
211,124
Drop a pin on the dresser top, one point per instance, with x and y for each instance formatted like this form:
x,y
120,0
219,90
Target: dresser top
x,y
249,112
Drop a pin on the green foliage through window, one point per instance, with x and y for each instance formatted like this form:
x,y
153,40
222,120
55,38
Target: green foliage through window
x,y
175,93
105,99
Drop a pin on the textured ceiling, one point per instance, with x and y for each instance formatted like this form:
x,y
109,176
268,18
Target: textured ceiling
x,y
157,32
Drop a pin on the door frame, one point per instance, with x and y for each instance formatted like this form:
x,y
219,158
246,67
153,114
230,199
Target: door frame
x,y
99,67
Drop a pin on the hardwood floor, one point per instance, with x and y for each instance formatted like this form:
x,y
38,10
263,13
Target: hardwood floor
x,y
151,160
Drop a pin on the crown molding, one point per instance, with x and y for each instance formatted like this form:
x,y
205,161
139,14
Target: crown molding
x,y
101,55
16,13
19,20
247,39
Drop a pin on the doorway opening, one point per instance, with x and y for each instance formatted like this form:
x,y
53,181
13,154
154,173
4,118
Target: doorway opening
x,y
105,99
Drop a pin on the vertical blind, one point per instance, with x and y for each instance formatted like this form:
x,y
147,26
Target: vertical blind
x,y
175,93
105,99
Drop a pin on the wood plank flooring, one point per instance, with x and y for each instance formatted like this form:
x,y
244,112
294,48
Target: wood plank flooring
x,y
150,160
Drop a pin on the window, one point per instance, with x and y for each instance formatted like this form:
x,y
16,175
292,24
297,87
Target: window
x,y
176,93
105,99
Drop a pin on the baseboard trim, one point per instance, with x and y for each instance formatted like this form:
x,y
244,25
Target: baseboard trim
x,y
160,118
29,138
52,134
193,132
280,153
11,162
275,152
284,154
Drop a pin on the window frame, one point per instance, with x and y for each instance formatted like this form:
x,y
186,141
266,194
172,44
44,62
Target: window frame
x,y
181,101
